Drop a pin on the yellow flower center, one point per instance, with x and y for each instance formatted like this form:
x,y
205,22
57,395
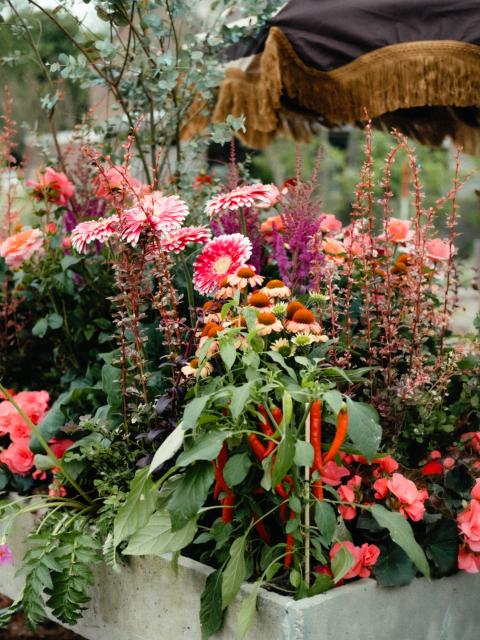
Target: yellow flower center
x,y
222,264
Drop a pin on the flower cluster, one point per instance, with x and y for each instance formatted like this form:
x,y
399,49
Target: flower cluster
x,y
469,527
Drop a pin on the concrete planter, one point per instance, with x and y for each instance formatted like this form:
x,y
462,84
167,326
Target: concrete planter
x,y
147,600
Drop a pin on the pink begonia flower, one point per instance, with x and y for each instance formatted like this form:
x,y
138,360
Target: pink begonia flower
x,y
347,494
329,222
332,474
53,186
469,525
468,561
60,445
438,250
22,246
399,231
472,438
9,418
334,250
411,499
435,454
475,492
6,555
381,488
449,463
18,457
365,558
33,403
387,464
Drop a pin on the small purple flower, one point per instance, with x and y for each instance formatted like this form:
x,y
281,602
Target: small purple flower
x,y
6,555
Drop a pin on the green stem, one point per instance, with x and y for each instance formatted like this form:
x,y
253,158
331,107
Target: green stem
x,y
188,284
57,462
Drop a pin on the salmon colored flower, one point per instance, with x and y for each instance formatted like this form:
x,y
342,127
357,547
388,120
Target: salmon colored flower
x,y
178,240
329,223
266,323
411,498
399,231
60,445
245,276
116,180
259,301
191,369
349,493
303,321
266,228
438,250
220,258
334,250
472,439
99,230
332,474
258,195
475,492
468,561
224,291
276,289
18,457
22,246
53,186
365,558
468,522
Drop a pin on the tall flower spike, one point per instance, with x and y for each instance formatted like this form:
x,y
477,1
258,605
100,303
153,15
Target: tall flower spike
x,y
220,258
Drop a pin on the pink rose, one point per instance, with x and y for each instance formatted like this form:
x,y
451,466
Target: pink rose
x,y
387,464
347,494
53,186
399,230
18,457
10,419
370,554
118,180
469,525
328,222
467,561
449,463
334,250
332,474
60,445
438,250
21,246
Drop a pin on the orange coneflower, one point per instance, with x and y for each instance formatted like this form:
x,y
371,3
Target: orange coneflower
x,y
259,301
303,321
267,322
191,369
276,289
244,276
293,307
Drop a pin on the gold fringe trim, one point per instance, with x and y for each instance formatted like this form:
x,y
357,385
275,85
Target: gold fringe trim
x,y
400,76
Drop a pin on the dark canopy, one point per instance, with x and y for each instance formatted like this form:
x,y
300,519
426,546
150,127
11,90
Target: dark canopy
x,y
413,64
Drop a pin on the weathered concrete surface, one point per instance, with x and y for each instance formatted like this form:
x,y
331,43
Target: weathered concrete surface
x,y
148,601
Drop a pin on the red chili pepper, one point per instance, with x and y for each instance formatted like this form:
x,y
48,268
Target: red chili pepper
x,y
228,502
340,435
265,423
316,441
270,448
256,446
261,529
277,415
290,546
220,484
280,489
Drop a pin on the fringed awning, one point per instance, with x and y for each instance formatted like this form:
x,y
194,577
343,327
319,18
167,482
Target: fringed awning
x,y
409,64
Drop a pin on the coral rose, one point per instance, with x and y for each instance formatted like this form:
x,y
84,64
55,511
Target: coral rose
x,y
467,561
53,186
399,231
18,457
365,557
329,223
21,246
332,474
411,499
438,250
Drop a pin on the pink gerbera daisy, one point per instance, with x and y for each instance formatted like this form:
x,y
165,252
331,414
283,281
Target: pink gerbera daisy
x,y
156,212
259,195
176,241
220,258
86,232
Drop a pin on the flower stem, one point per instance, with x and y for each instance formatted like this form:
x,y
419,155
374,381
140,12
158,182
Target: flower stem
x,y
188,285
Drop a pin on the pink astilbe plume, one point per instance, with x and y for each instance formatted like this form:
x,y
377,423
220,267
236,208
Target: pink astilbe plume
x,y
220,258
155,212
178,240
99,230
255,195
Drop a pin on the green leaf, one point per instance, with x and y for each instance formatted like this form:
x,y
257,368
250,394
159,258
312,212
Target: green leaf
x,y
322,583
303,454
211,612
40,328
235,572
228,353
236,469
441,545
342,563
326,520
279,359
68,261
206,447
334,399
240,397
55,321
168,448
193,411
138,507
157,536
190,493
363,428
45,463
287,409
246,612
393,568
402,534
111,385
284,459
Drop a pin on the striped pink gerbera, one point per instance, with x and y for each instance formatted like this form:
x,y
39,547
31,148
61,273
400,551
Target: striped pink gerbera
x,y
156,212
86,232
176,241
259,195
220,258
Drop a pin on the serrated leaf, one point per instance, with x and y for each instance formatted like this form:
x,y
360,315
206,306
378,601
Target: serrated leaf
x,y
157,536
246,613
211,612
401,533
138,507
234,573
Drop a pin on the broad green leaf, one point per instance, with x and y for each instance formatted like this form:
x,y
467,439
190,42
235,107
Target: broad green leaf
x,y
193,411
401,533
206,447
228,353
326,520
236,469
138,507
303,454
246,612
279,359
55,321
211,612
157,537
393,568
190,493
342,563
240,396
111,384
322,583
284,459
334,399
363,428
441,545
235,572
168,448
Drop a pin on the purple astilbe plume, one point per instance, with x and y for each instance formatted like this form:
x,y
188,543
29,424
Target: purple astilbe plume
x,y
79,211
